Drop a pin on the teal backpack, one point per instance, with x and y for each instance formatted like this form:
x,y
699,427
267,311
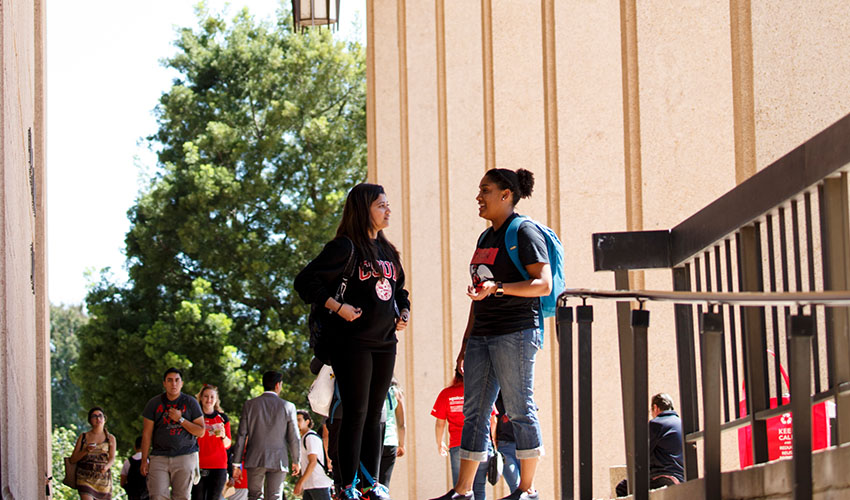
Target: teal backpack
x,y
555,249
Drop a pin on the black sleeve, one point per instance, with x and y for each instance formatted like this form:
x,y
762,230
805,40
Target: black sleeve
x,y
532,245
402,297
224,418
316,282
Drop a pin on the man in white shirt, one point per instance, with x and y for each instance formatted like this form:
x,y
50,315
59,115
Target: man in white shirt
x,y
131,476
314,484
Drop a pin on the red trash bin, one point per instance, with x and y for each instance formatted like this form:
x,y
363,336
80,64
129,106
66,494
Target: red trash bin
x,y
779,429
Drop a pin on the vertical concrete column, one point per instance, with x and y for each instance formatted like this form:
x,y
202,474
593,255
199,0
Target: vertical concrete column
x,y
553,181
740,14
24,358
39,194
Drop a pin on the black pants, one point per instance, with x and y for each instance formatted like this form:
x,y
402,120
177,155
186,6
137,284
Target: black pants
x,y
364,379
333,449
387,463
657,482
211,484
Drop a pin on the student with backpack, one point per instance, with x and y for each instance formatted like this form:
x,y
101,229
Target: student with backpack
x,y
512,291
132,480
314,484
362,329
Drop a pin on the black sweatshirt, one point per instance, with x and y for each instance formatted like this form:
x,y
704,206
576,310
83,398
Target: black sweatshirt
x,y
375,295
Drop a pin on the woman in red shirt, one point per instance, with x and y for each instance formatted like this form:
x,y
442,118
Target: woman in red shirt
x,y
212,447
448,409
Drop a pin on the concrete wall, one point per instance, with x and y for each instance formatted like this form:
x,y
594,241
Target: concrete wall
x,y
774,480
24,331
632,115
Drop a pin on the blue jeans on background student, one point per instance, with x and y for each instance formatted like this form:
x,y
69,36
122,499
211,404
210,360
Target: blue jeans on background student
x,y
480,482
511,470
503,362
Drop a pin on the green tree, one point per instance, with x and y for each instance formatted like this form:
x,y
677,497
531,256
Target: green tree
x,y
65,322
259,140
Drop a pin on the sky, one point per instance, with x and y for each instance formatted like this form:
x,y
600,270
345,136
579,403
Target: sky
x,y
103,81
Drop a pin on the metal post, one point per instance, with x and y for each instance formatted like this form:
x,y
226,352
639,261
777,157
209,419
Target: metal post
x,y
753,331
584,316
711,358
835,240
624,334
564,328
640,393
685,357
800,331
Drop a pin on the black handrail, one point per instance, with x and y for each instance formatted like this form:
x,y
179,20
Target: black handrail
x,y
804,167
721,247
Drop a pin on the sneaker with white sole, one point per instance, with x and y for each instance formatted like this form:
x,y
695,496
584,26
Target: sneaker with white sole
x,y
376,492
350,493
453,495
519,494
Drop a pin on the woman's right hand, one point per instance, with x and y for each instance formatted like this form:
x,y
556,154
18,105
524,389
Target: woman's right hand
x,y
349,312
444,450
459,361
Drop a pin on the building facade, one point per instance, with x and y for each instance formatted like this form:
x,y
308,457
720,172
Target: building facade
x,y
632,115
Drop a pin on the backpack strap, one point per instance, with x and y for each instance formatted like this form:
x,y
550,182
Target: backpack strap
x,y
391,400
512,243
304,446
512,246
347,273
337,400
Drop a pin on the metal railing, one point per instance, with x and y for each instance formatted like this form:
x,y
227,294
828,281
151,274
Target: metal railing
x,y
771,256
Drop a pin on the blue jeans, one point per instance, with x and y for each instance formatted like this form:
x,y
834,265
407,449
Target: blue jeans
x,y
480,481
503,362
511,470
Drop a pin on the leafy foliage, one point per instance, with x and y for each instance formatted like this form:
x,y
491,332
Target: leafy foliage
x,y
65,322
259,140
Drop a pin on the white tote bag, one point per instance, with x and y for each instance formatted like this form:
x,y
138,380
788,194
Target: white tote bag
x,y
322,391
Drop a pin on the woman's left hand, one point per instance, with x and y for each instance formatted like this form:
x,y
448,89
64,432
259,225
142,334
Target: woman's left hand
x,y
482,291
403,319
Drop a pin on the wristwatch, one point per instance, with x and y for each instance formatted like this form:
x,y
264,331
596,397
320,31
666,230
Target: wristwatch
x,y
181,420
499,290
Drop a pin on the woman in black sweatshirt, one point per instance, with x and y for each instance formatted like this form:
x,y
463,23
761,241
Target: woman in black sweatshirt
x,y
363,328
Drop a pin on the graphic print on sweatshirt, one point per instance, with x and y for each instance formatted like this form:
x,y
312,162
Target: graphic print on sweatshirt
x,y
383,288
479,268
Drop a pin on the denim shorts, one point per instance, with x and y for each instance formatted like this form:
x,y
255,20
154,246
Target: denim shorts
x,y
503,362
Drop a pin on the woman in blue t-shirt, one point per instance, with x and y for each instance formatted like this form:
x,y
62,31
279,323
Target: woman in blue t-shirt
x,y
503,333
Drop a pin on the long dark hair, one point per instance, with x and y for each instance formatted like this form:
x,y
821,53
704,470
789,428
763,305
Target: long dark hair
x,y
357,221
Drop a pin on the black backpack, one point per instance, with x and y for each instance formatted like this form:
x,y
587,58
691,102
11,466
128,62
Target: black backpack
x,y
137,486
320,341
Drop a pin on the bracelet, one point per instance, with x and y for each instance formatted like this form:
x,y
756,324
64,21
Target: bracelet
x,y
339,308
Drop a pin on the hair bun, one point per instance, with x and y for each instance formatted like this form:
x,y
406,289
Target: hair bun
x,y
526,182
